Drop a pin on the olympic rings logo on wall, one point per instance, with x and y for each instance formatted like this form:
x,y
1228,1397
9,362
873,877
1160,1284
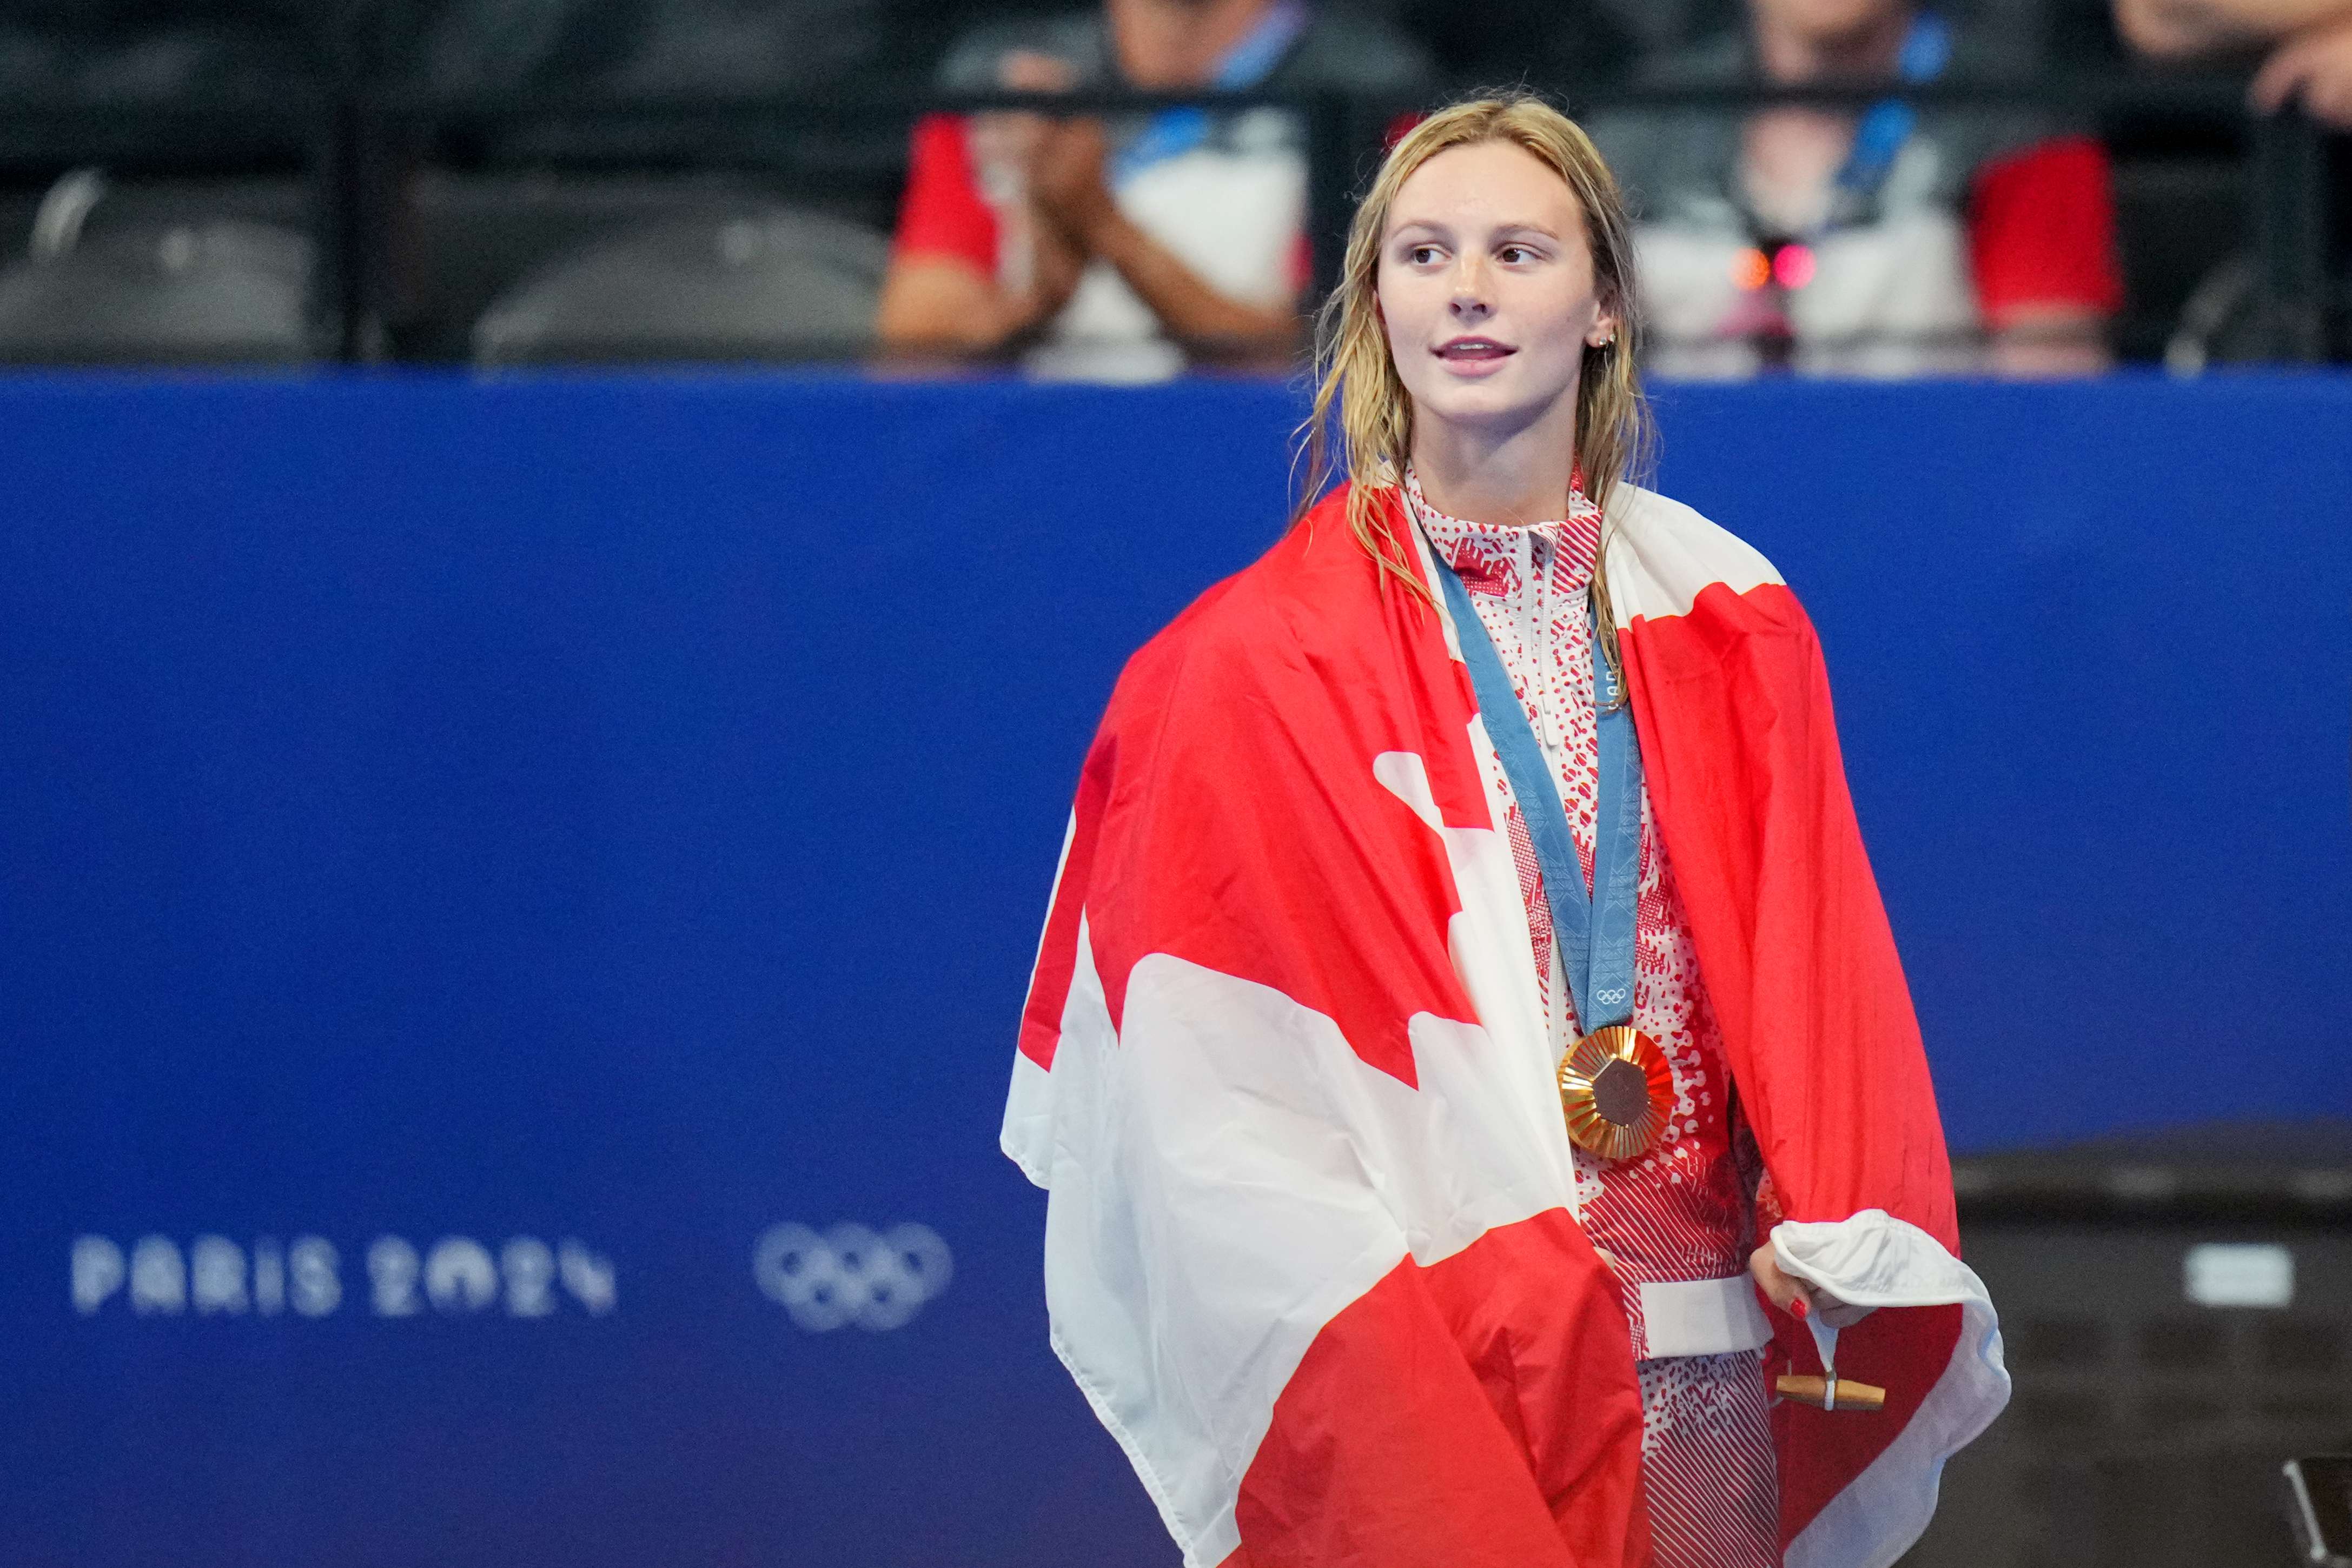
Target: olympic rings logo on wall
x,y
851,1274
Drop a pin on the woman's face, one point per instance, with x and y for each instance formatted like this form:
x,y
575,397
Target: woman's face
x,y
1486,287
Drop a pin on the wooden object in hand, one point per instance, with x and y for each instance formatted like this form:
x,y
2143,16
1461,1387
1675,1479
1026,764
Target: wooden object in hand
x,y
1812,1391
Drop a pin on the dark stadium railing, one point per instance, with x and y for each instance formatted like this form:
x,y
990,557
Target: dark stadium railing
x,y
351,147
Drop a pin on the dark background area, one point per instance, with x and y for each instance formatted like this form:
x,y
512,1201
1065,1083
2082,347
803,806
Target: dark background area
x,y
403,163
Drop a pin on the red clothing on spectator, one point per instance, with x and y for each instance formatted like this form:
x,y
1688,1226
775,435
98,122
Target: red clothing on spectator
x,y
2042,230
942,213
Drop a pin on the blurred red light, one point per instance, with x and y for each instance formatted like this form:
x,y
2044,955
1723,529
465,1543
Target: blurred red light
x,y
1794,266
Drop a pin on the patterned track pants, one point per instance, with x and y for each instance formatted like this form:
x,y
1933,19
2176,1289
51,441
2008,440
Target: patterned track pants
x,y
1707,1465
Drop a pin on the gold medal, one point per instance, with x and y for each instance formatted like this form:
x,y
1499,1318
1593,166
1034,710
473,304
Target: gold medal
x,y
1617,1091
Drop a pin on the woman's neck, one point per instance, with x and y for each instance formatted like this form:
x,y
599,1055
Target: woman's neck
x,y
1506,479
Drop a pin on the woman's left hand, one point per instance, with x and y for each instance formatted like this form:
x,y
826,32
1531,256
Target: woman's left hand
x,y
1783,1290
1801,1299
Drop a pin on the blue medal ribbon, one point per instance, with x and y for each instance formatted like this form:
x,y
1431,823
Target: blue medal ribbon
x,y
1595,933
1889,123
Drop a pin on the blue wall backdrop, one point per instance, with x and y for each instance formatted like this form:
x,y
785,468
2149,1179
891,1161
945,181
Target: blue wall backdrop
x,y
478,858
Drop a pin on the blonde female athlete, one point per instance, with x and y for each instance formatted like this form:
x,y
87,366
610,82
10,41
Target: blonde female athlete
x,y
1467,1056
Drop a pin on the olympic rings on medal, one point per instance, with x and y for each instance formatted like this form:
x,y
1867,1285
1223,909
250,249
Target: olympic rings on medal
x,y
850,1274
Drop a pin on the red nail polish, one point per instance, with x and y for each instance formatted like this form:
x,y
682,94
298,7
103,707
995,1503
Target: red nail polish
x,y
1797,1307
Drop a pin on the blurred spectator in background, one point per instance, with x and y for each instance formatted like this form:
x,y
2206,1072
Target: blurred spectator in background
x,y
1888,241
674,50
159,49
1571,44
1105,244
2311,60
651,47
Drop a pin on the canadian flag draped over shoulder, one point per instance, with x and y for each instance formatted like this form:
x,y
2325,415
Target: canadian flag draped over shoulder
x,y
1311,1248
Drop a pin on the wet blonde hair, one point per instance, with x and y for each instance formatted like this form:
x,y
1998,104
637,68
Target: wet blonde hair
x,y
1354,370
